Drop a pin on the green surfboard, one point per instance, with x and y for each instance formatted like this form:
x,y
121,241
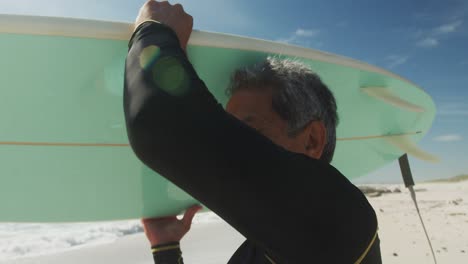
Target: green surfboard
x,y
64,153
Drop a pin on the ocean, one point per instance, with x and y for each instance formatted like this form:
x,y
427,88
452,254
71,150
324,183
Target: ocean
x,y
25,240
18,240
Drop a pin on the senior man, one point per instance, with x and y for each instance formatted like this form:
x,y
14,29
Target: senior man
x,y
263,164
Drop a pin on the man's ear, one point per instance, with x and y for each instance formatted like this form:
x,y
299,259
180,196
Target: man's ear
x,y
316,139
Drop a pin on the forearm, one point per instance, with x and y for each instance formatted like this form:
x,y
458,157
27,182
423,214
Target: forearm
x,y
179,130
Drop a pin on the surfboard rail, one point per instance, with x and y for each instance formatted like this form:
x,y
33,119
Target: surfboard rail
x,y
97,29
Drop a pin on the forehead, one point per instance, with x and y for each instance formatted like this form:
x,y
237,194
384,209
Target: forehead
x,y
252,101
253,107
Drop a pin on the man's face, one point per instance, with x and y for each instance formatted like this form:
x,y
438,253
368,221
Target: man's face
x,y
254,109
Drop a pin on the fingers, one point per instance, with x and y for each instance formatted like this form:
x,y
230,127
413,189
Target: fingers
x,y
145,228
143,223
150,2
189,214
179,6
166,3
160,3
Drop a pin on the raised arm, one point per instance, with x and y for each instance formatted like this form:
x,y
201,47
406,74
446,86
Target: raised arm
x,y
287,203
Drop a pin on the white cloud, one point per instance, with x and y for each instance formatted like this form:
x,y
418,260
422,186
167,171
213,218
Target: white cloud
x,y
289,40
430,38
300,35
396,60
300,32
428,42
448,138
448,28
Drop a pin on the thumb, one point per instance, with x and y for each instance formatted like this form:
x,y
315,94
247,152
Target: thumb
x,y
189,214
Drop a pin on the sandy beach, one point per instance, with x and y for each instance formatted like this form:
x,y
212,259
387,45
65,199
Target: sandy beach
x,y
444,207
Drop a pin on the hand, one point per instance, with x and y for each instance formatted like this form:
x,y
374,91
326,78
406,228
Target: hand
x,y
169,229
173,16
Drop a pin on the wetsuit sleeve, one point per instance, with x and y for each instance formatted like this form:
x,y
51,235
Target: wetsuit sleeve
x,y
296,208
167,254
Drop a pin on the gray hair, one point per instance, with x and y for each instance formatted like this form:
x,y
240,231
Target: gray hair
x,y
298,95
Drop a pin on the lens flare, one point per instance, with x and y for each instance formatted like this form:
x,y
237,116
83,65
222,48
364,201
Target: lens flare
x,y
170,76
148,56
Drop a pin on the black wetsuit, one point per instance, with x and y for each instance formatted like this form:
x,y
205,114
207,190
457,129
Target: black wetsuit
x,y
292,208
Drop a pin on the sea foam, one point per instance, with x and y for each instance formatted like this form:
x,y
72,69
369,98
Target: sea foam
x,y
26,240
18,240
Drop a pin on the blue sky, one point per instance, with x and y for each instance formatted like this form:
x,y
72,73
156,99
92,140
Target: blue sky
x,y
425,41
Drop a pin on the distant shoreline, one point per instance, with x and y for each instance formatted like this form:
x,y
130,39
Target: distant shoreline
x,y
458,178
454,179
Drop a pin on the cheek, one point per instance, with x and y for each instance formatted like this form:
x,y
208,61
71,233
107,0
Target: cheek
x,y
279,137
295,145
